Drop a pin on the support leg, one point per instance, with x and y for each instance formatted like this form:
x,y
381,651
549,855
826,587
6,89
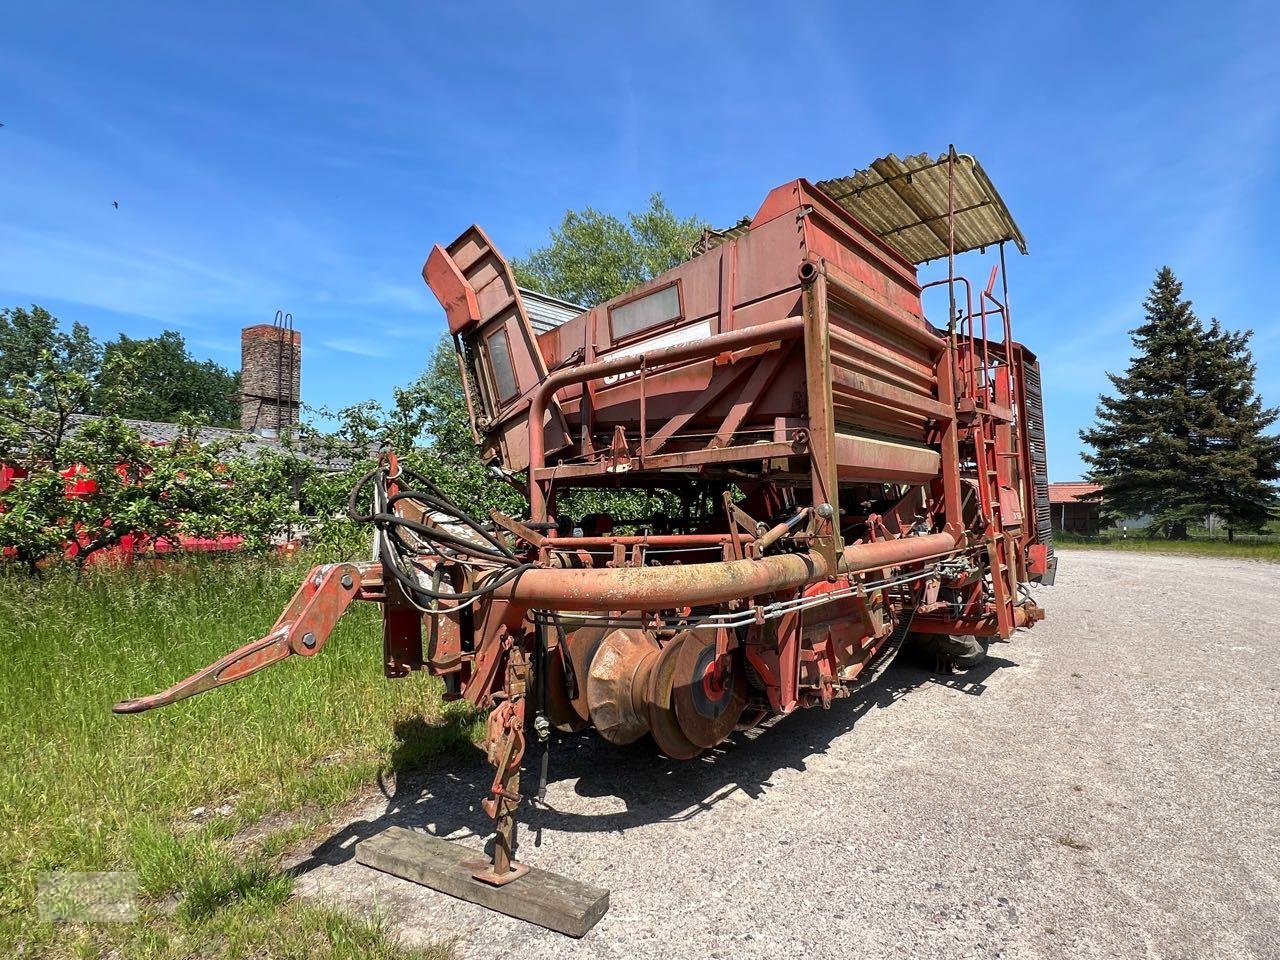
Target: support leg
x,y
506,749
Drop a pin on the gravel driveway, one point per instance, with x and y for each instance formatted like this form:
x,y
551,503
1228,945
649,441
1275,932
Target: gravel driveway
x,y
1107,785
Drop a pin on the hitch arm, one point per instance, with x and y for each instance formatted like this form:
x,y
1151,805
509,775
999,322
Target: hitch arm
x,y
303,628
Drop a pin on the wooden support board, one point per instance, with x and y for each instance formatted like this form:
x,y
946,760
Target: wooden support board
x,y
546,899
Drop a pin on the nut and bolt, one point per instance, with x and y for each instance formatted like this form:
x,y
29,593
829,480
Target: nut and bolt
x,y
347,581
309,641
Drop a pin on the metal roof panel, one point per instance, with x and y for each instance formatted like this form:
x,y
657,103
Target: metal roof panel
x,y
904,202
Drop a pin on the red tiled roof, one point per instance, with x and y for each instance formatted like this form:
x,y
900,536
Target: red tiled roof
x,y
1071,492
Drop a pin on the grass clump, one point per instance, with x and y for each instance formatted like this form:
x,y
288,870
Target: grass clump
x,y
82,789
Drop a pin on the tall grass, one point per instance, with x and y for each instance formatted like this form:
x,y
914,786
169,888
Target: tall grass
x,y
82,789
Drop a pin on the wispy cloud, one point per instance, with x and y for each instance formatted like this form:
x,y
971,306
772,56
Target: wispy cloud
x,y
410,331
217,346
360,348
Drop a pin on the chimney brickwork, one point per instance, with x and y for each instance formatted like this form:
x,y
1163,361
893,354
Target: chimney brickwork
x,y
270,377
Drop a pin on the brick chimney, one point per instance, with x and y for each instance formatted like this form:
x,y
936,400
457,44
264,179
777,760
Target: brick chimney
x,y
270,377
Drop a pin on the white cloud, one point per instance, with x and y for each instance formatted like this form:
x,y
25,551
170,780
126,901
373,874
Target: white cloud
x,y
360,348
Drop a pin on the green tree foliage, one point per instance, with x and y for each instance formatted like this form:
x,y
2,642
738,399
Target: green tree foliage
x,y
1244,458
153,378
31,344
594,256
1184,435
169,382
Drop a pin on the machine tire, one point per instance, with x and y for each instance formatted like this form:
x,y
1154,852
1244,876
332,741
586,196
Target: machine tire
x,y
962,653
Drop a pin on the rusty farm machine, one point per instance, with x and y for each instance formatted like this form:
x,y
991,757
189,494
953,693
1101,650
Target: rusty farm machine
x,y
836,474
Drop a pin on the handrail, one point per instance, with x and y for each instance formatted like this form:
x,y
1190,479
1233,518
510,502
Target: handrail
x,y
951,281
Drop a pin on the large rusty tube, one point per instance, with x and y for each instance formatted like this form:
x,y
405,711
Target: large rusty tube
x,y
710,347
703,584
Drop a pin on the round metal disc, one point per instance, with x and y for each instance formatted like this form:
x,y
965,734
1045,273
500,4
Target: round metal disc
x,y
663,723
707,708
583,644
615,670
559,707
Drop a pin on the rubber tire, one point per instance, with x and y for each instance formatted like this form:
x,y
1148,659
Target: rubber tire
x,y
964,653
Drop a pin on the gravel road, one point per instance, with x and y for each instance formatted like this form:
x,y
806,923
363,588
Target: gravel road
x,y
1107,785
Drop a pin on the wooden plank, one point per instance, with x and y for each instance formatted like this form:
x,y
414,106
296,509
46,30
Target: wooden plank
x,y
547,899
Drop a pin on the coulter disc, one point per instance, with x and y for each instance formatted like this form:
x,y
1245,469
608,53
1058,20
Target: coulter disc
x,y
708,707
617,684
560,710
663,723
583,644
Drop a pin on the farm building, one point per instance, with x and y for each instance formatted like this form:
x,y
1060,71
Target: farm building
x,y
1070,511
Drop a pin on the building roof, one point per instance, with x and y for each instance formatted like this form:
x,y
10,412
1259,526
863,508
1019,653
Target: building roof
x,y
244,443
1072,491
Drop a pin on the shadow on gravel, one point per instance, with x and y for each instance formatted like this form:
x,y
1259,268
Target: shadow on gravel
x,y
444,799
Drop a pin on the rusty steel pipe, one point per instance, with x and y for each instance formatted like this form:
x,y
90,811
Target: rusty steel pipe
x,y
703,349
704,584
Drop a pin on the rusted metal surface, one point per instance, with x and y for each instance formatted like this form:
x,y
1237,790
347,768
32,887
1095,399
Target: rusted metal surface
x,y
830,473
664,724
617,681
702,584
711,347
709,688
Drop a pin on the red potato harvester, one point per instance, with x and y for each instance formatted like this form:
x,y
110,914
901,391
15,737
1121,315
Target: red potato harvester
x,y
836,473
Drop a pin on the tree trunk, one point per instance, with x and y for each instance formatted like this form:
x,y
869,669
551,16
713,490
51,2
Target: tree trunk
x,y
1231,535
1178,530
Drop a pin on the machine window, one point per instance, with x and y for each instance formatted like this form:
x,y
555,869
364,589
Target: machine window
x,y
652,310
504,372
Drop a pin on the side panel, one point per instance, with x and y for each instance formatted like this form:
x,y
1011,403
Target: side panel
x,y
1033,394
500,354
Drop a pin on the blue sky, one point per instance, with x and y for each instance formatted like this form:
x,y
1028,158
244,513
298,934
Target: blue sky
x,y
306,157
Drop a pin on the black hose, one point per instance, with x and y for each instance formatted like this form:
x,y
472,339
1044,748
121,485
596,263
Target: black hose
x,y
435,534
397,552
418,589
352,511
456,510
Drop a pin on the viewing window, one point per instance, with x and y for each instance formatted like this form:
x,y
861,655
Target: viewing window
x,y
651,310
504,373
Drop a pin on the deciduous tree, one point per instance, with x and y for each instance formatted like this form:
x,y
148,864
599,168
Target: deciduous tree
x,y
594,256
168,382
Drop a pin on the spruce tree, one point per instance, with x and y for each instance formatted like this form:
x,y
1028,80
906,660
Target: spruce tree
x,y
1243,462
1184,436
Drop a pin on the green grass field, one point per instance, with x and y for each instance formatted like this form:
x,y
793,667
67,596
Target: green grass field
x,y
1240,550
84,790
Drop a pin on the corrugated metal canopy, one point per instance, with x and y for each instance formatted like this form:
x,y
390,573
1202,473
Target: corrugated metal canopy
x,y
905,203
547,313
